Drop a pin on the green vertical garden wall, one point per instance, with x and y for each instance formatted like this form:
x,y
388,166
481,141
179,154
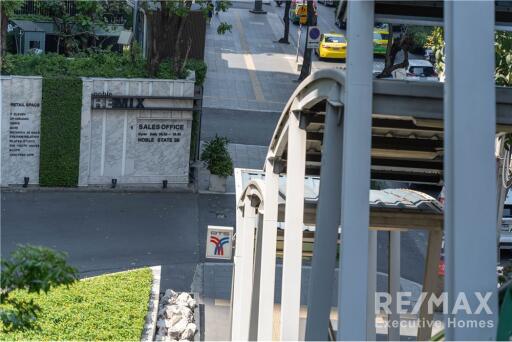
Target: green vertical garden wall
x,y
60,131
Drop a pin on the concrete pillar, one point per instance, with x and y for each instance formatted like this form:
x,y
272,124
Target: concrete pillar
x,y
394,284
355,186
268,255
294,213
326,231
469,165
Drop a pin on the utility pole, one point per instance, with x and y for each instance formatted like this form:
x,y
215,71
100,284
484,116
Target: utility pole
x,y
258,7
306,61
135,19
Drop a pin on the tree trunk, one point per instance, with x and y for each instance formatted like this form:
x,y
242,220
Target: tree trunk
x,y
286,19
306,61
393,48
178,58
3,37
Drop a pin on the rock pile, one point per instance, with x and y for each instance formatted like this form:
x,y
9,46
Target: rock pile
x,y
176,317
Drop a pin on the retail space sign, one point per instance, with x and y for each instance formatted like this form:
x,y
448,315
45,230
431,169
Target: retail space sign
x,y
313,37
219,242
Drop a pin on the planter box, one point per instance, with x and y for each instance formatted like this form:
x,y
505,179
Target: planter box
x,y
217,183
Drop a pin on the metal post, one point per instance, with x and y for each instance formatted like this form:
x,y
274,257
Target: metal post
x,y
294,212
237,289
245,247
355,188
268,255
326,231
372,285
394,285
470,167
430,282
253,327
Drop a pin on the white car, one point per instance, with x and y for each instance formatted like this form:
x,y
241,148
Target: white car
x,y
418,69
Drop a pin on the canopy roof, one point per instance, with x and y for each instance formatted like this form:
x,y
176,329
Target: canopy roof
x,y
407,125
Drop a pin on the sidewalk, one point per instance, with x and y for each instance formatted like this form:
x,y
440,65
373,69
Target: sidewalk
x,y
243,156
246,68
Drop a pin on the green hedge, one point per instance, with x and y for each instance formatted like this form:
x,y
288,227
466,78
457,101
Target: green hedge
x,y
60,131
104,64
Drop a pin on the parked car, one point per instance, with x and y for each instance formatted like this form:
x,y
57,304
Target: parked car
x,y
430,56
506,224
332,45
380,41
417,69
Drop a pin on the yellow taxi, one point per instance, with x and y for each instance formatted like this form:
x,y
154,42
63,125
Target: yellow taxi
x,y
380,41
332,45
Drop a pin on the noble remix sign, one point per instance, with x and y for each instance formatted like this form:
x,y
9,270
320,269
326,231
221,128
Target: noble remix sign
x,y
136,131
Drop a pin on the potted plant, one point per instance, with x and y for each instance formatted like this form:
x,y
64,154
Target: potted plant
x,y
219,163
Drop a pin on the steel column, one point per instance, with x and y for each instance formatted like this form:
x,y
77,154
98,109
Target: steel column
x,y
430,282
353,274
253,324
469,166
394,284
247,263
326,231
294,213
372,285
268,255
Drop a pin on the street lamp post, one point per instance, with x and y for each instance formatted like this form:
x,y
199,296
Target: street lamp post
x,y
258,7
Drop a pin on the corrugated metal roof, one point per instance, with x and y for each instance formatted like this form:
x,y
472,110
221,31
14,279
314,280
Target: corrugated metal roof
x,y
386,198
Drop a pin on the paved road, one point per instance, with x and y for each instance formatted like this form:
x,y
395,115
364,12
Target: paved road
x,y
239,126
107,232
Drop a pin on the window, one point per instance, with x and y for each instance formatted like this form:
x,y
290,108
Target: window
x,y
507,211
422,71
331,39
34,44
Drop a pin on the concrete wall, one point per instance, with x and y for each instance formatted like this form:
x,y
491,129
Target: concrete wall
x,y
112,143
20,125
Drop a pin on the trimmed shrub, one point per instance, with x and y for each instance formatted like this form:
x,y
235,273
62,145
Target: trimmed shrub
x,y
60,131
217,157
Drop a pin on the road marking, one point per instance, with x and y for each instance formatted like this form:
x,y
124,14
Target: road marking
x,y
249,62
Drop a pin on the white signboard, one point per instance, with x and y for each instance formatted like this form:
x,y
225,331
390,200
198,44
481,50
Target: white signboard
x,y
20,129
313,37
219,242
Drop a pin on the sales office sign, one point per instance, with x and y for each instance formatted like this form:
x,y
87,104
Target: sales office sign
x,y
105,100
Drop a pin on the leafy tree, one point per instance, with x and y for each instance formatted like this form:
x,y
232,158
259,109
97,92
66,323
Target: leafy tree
x,y
503,49
75,29
7,8
35,270
167,20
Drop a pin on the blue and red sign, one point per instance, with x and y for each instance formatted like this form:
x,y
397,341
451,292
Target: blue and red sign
x,y
219,244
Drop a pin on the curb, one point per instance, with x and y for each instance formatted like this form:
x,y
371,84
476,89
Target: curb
x,y
118,189
149,330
